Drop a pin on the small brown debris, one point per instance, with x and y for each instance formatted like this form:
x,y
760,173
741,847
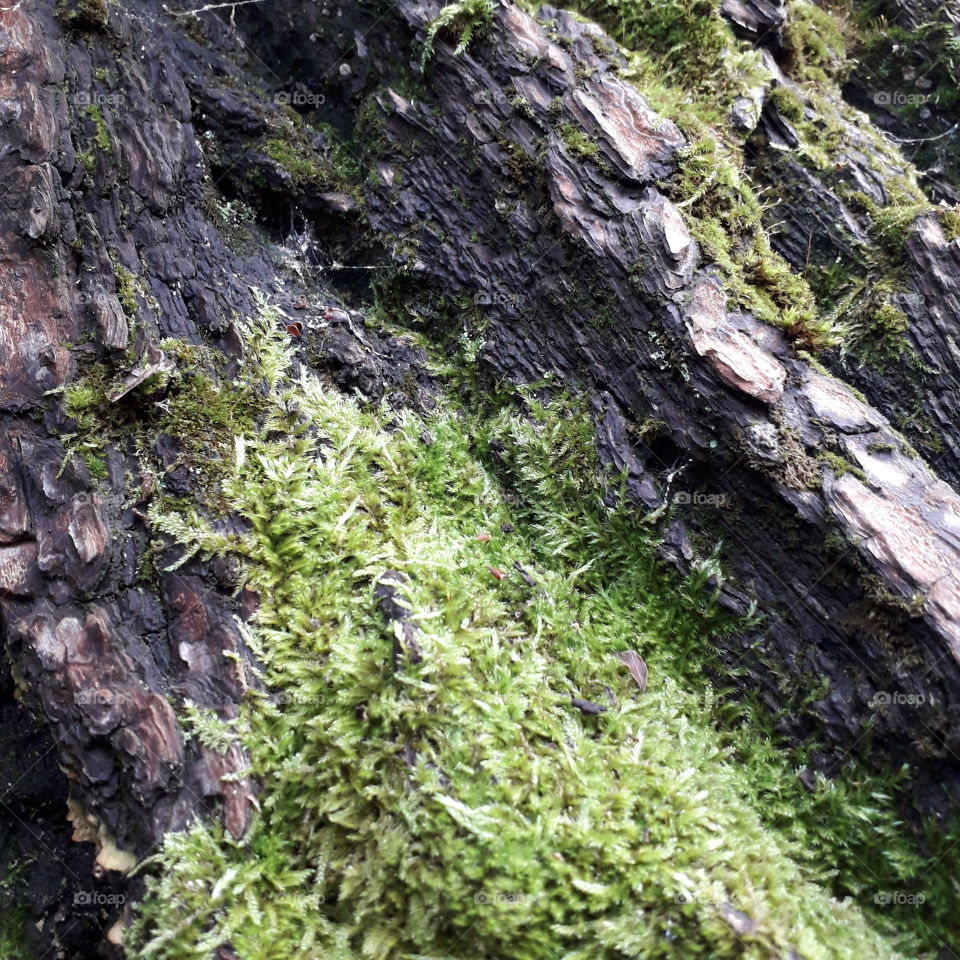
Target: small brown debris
x,y
295,329
483,537
496,572
635,664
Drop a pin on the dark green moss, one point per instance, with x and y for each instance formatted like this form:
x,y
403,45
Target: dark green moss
x,y
83,14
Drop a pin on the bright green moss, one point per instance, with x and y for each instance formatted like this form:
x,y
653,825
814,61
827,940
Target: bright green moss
x,y
200,414
950,219
465,19
725,217
689,38
577,142
815,43
462,806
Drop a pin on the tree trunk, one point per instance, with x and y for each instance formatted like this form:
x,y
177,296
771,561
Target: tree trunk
x,y
518,193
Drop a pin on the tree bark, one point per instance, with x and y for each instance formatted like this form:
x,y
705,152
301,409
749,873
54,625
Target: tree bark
x,y
127,132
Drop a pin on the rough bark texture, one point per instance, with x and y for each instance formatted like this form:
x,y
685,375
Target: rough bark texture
x,y
476,194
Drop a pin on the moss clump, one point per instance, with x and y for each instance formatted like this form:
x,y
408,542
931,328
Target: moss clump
x,y
129,287
13,934
815,43
315,158
460,804
577,142
202,415
83,14
891,224
724,215
465,19
689,39
302,163
102,135
789,103
883,338
839,465
950,219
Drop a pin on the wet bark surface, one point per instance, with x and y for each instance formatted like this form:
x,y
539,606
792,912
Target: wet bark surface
x,y
127,135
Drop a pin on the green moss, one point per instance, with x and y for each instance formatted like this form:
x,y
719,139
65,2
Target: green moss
x,y
815,42
303,164
83,14
88,160
102,136
458,804
689,39
465,19
129,287
839,465
577,141
789,103
950,220
13,939
724,216
202,415
885,333
892,224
